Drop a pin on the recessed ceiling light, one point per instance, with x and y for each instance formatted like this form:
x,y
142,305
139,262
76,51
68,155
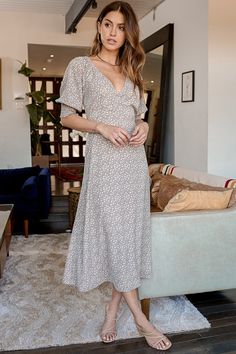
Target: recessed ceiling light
x,y
51,55
152,82
44,69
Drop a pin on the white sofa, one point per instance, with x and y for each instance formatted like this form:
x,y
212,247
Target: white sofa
x,y
192,251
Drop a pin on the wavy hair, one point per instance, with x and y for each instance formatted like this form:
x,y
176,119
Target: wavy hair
x,y
131,56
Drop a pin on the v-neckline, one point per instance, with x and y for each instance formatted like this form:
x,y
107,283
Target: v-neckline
x,y
110,82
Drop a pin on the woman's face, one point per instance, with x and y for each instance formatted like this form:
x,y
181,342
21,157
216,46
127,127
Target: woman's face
x,y
112,30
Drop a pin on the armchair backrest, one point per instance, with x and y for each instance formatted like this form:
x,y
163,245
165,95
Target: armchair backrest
x,y
11,180
38,188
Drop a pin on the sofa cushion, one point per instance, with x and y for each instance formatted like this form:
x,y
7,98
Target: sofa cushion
x,y
168,188
199,200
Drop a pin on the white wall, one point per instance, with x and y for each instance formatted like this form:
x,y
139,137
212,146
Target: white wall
x,y
222,87
190,18
19,29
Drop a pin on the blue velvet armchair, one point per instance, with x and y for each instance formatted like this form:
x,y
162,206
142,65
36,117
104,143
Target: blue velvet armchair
x,y
29,189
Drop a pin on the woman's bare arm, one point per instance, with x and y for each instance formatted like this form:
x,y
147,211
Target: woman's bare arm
x,y
117,135
77,122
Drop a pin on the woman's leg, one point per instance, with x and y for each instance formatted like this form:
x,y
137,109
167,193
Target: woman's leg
x,y
108,333
133,302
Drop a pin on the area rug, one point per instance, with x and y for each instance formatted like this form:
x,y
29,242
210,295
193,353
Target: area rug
x,y
37,310
69,173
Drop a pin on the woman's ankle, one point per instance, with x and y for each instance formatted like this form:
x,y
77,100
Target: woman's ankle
x,y
140,319
112,306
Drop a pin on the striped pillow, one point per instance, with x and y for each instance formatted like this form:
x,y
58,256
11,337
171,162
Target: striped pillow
x,y
230,183
167,169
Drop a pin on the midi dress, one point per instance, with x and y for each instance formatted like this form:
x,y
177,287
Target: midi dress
x,y
111,235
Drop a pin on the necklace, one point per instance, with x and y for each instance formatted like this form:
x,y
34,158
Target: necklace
x,y
106,61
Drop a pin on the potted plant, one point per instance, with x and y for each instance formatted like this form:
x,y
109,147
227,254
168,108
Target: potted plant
x,y
37,110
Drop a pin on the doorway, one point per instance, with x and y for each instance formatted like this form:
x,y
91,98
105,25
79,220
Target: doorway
x,y
49,63
156,74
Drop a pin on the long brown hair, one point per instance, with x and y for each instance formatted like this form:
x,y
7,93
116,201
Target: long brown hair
x,y
131,56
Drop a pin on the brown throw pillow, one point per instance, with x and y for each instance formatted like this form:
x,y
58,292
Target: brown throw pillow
x,y
155,209
156,179
154,168
169,188
199,200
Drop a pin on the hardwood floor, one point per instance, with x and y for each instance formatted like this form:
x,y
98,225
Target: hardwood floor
x,y
218,307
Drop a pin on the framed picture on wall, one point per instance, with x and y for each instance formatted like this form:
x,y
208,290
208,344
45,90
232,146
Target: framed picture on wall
x,y
0,85
187,92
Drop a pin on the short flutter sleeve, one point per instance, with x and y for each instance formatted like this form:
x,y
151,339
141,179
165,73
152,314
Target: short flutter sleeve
x,y
142,108
71,90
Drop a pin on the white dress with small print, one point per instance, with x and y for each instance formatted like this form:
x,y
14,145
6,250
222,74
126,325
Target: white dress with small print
x,y
110,240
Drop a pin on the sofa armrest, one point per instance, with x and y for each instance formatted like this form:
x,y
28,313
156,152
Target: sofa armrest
x,y
44,184
192,252
29,190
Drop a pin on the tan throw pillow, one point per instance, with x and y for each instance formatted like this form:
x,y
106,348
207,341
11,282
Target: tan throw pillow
x,y
232,201
169,188
199,200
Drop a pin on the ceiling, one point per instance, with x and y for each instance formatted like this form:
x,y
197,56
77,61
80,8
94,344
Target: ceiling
x,y
62,6
39,55
56,68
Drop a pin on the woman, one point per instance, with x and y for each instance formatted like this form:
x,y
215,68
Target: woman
x,y
110,239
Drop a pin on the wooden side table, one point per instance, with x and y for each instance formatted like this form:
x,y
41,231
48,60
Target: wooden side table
x,y
74,193
5,233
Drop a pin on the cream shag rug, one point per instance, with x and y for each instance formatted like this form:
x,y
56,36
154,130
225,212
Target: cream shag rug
x,y
37,310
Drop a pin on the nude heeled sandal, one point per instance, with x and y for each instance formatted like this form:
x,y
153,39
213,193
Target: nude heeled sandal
x,y
111,330
150,335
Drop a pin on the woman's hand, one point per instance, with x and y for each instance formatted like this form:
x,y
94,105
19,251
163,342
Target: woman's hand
x,y
118,136
140,133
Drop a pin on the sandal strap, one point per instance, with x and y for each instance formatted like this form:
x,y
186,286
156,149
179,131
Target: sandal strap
x,y
110,318
150,334
110,330
167,346
107,317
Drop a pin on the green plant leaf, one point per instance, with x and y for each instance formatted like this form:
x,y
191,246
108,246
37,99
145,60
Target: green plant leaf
x,y
34,141
47,116
24,70
38,96
33,113
53,98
